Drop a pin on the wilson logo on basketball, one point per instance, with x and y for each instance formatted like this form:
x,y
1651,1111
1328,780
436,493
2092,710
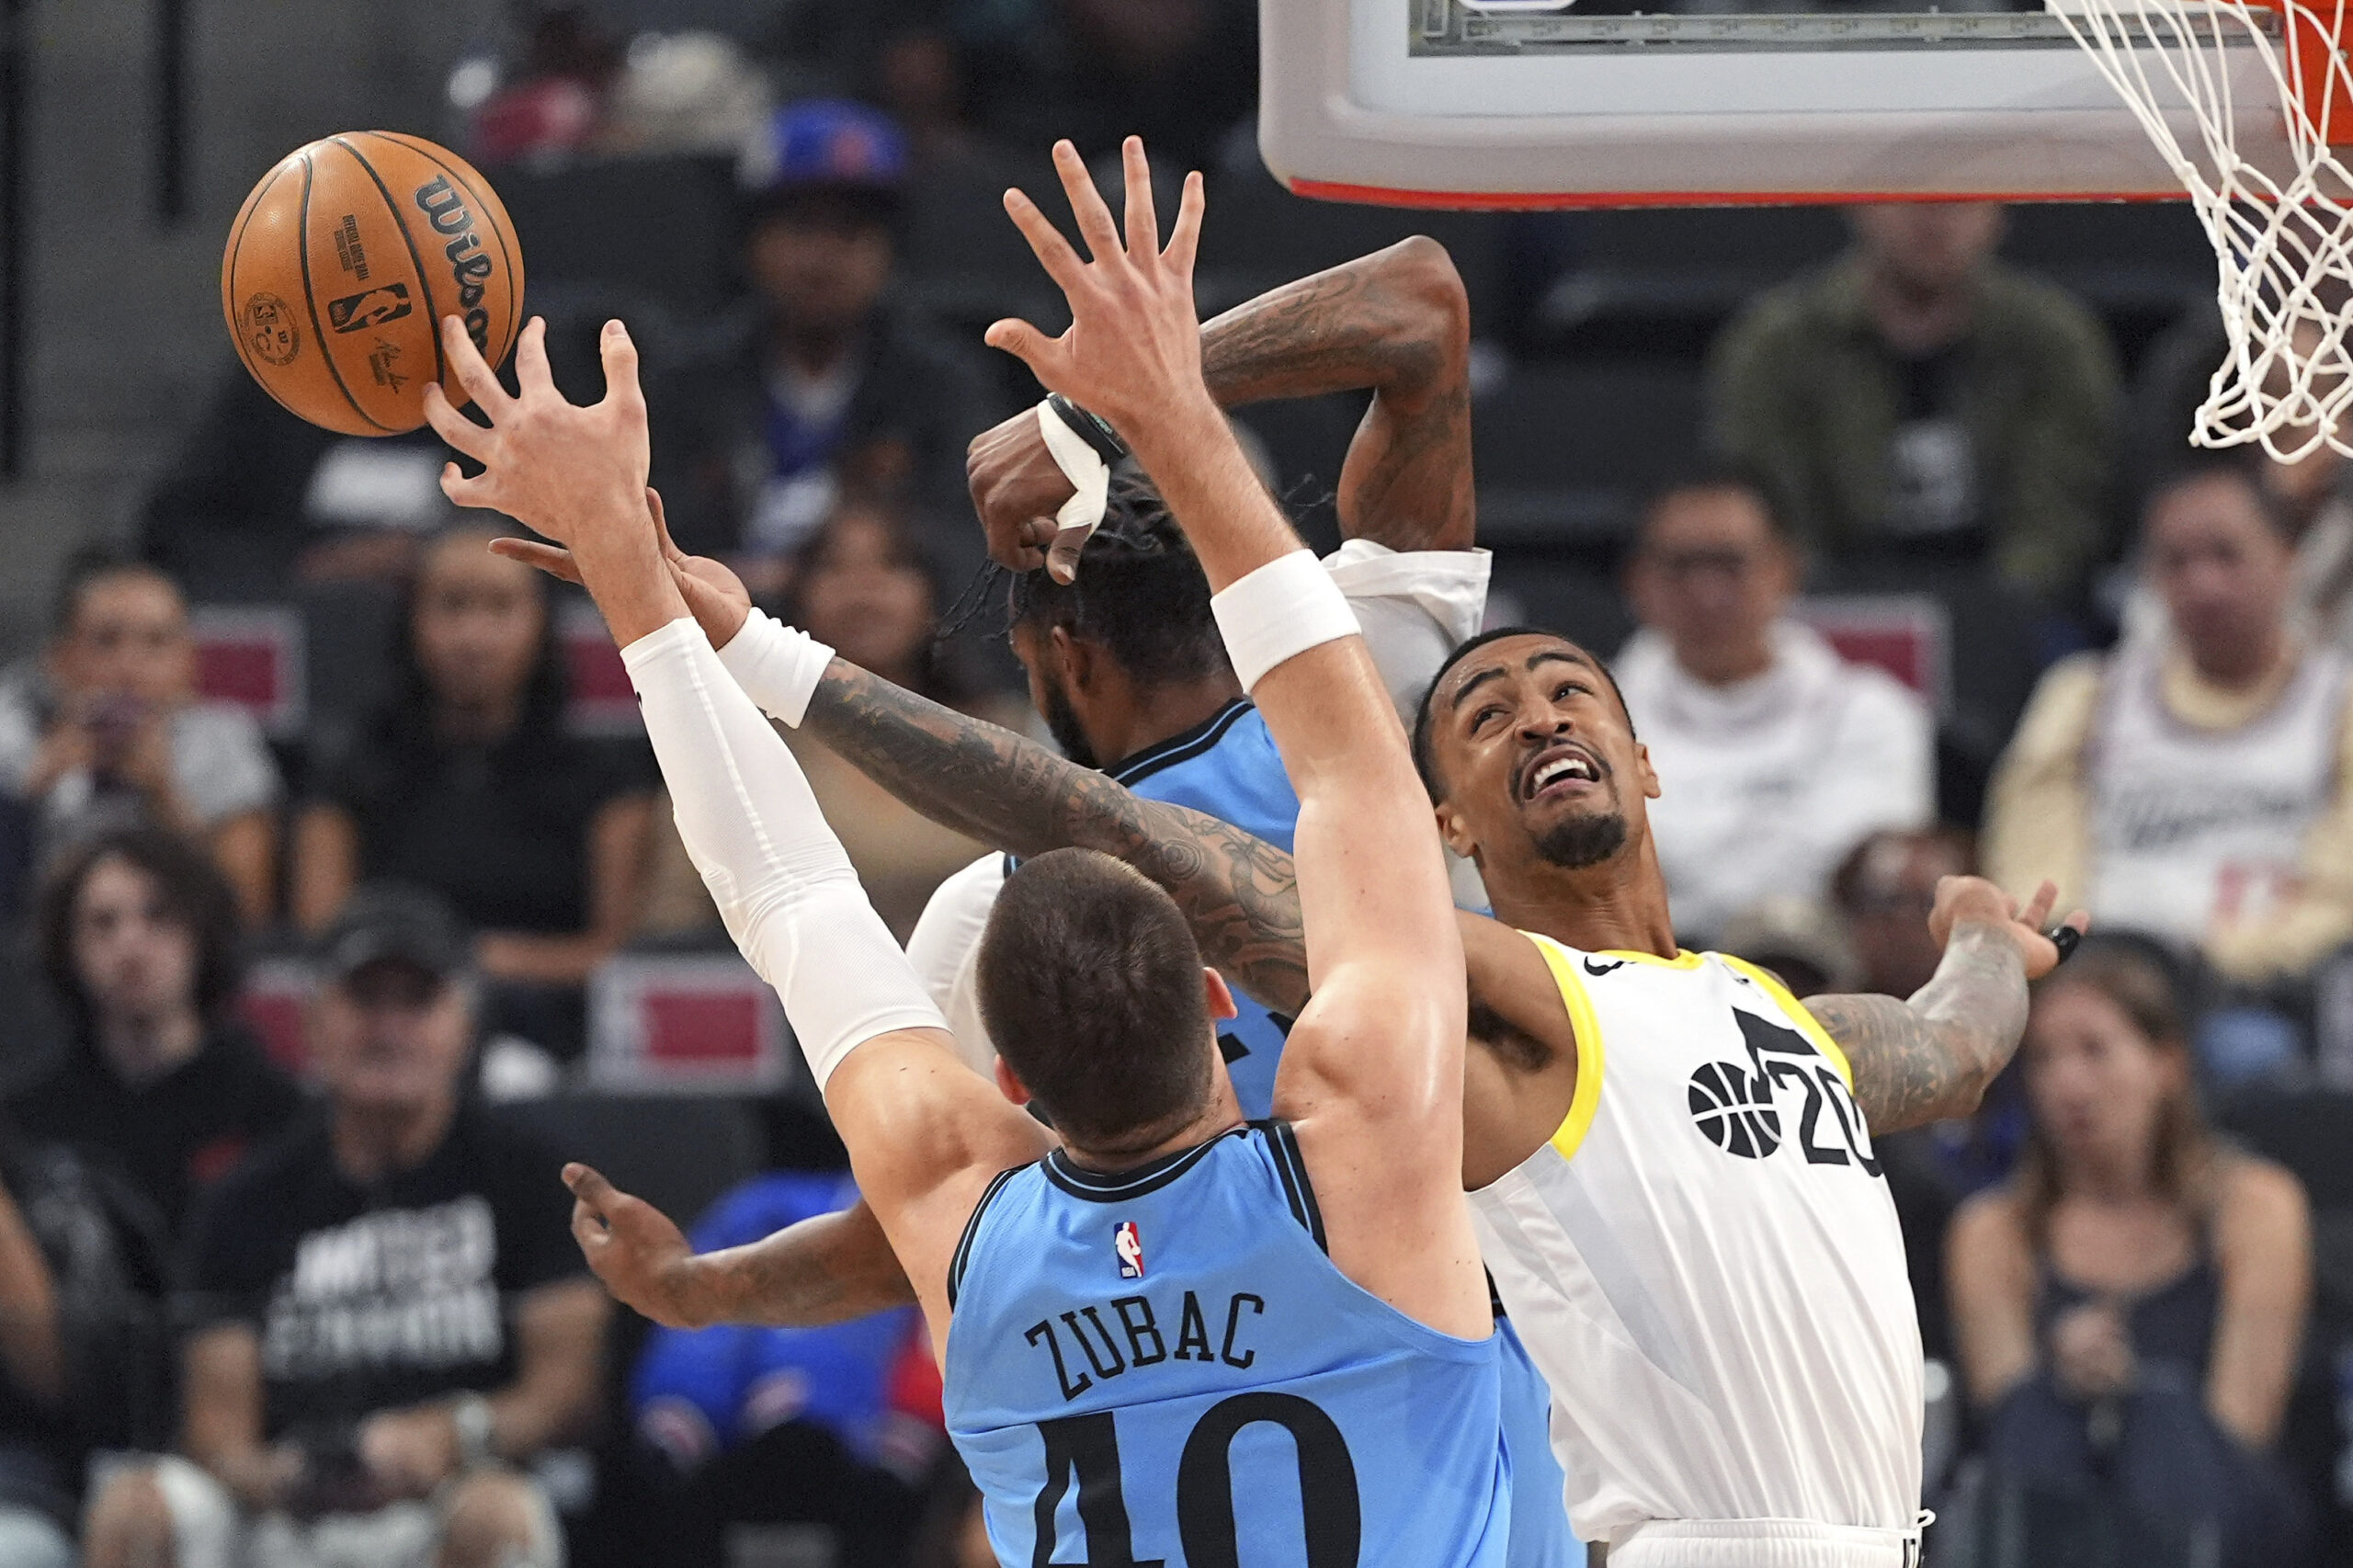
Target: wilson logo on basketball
x,y
369,307
469,265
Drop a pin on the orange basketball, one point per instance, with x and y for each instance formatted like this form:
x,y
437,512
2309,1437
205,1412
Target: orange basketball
x,y
342,264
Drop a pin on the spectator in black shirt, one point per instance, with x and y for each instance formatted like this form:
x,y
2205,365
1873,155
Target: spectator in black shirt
x,y
826,387
469,783
385,1309
137,933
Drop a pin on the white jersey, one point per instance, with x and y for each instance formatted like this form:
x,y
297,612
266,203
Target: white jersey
x,y
2194,829
1705,1263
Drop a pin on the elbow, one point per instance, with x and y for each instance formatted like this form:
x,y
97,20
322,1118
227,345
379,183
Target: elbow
x,y
1425,276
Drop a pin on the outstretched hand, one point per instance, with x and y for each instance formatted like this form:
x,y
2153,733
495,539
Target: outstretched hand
x,y
1134,347
642,1258
1975,901
714,594
554,467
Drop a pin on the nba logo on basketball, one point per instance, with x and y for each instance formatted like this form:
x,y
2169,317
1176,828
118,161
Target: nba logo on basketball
x,y
1130,1247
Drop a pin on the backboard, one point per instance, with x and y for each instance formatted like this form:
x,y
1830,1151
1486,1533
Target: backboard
x,y
1540,103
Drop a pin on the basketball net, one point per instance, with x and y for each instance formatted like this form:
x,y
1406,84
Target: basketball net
x,y
2282,238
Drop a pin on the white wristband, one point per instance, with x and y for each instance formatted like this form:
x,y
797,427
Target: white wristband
x,y
1081,465
778,666
1282,610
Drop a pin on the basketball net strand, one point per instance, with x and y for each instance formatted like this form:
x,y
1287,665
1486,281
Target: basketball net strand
x,y
2283,247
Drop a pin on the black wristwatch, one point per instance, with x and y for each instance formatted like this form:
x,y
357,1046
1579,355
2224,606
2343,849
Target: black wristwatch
x,y
1091,428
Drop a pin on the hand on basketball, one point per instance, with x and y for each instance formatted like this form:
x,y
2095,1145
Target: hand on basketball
x,y
1016,489
1133,348
575,475
1973,900
642,1258
715,595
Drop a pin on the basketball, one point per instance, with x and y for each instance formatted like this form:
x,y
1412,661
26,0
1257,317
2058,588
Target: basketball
x,y
342,264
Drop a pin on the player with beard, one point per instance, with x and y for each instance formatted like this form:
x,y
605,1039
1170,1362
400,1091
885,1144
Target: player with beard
x,y
1670,1158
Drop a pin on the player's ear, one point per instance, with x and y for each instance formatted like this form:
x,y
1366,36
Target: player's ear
x,y
1010,1087
1220,995
1076,656
1455,834
1648,774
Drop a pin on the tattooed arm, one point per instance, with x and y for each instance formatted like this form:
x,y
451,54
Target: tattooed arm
x,y
1237,891
1396,322
1931,1057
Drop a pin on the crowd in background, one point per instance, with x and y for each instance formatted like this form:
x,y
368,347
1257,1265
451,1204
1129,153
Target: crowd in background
x,y
344,1288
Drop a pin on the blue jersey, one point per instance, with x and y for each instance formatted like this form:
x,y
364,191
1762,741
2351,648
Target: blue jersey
x,y
1158,1366
1229,768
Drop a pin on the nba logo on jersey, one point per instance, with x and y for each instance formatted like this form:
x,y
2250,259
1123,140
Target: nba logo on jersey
x,y
1130,1247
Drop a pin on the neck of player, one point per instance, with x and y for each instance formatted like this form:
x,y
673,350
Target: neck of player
x,y
1157,713
1616,906
1221,1113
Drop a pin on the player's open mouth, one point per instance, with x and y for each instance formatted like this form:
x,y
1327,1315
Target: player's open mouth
x,y
1557,769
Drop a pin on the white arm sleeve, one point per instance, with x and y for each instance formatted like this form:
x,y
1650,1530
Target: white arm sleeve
x,y
1414,608
780,877
945,949
778,666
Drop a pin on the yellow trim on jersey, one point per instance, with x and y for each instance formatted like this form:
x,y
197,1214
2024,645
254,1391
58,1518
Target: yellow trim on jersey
x,y
1808,1025
1683,958
1586,1026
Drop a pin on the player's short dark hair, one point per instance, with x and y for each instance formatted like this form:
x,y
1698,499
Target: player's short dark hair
x,y
2241,464
1090,983
1710,475
1424,761
1140,592
190,890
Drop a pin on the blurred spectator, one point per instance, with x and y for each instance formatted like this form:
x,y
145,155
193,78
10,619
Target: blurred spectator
x,y
955,1529
827,389
1798,939
1885,889
863,585
2194,785
386,1307
138,938
1781,755
468,783
2128,1307
681,95
805,1426
108,730
258,500
1181,74
1920,397
36,1484
81,1355
555,105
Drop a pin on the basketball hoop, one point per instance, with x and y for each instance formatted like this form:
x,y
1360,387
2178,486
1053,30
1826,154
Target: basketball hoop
x,y
2282,235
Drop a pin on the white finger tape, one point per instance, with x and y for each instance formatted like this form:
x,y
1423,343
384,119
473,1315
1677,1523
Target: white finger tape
x,y
1083,466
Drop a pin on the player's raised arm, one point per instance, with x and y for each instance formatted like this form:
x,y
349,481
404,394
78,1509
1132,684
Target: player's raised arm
x,y
926,1134
1372,1073
1930,1056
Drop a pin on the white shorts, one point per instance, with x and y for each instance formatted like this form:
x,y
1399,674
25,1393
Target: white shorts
x,y
210,1530
1762,1543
